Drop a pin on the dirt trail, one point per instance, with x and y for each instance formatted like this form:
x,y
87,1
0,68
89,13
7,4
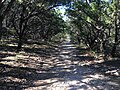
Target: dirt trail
x,y
63,70
68,74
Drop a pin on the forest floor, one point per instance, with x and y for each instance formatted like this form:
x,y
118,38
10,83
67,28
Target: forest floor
x,y
56,67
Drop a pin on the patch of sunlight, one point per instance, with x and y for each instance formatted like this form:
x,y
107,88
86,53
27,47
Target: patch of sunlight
x,y
113,72
43,46
4,52
60,84
99,61
20,56
87,54
43,84
27,46
90,62
17,57
15,79
89,78
68,70
68,45
66,66
12,45
9,63
10,58
70,85
75,62
47,81
65,52
68,61
86,63
97,76
64,83
113,83
64,56
101,88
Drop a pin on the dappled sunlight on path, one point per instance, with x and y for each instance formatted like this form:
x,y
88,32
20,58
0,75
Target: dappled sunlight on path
x,y
70,75
64,68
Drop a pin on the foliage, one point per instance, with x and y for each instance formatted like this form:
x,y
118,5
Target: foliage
x,y
34,20
96,24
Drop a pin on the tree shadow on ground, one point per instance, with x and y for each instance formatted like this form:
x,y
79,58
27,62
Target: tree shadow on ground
x,y
110,67
63,70
50,50
19,78
17,74
8,48
3,55
96,77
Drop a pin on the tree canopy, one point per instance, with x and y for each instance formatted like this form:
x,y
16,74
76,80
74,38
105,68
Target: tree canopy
x,y
95,23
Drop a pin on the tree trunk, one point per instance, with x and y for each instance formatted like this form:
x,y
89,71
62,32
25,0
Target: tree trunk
x,y
116,38
114,48
115,28
1,26
78,40
19,44
115,44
